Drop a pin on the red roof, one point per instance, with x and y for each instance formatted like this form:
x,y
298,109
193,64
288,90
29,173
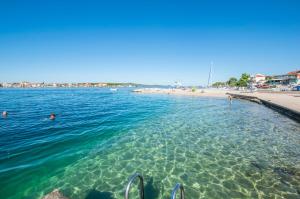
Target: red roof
x,y
294,72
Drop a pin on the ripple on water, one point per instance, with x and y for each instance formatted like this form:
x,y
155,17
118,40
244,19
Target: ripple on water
x,y
212,163
217,151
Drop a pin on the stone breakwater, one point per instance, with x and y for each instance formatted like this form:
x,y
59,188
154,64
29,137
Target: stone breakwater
x,y
285,103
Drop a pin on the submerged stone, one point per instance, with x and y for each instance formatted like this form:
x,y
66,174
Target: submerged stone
x,y
284,171
184,177
256,165
55,194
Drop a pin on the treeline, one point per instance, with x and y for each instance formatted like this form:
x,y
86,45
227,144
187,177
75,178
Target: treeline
x,y
113,84
234,82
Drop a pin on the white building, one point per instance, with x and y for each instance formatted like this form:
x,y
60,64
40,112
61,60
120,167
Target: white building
x,y
258,79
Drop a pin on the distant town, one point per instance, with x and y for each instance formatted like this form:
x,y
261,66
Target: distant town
x,y
284,81
289,79
261,81
65,85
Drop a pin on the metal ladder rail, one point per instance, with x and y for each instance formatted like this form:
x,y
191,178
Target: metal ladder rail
x,y
141,185
178,186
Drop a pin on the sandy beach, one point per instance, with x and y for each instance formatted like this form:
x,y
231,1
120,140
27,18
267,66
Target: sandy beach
x,y
189,92
288,102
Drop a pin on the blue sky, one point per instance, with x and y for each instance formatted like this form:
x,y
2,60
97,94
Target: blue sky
x,y
153,42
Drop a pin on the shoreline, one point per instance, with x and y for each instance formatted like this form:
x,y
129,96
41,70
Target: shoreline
x,y
184,92
286,103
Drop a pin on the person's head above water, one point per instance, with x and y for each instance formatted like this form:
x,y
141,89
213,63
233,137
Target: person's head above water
x,y
4,113
52,116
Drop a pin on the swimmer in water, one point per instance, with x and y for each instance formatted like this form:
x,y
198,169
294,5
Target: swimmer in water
x,y
52,116
230,99
4,113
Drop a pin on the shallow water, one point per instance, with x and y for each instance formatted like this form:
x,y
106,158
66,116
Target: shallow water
x,y
100,138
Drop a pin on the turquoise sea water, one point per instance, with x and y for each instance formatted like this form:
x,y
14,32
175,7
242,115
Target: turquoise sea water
x,y
100,138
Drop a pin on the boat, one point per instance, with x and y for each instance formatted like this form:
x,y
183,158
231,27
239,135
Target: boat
x,y
113,89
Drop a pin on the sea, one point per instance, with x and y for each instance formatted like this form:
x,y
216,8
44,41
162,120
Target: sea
x,y
100,138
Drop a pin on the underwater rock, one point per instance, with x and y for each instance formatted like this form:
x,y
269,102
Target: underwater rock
x,y
184,177
55,194
256,165
284,171
284,182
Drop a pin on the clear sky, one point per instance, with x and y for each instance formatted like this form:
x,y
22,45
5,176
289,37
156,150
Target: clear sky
x,y
153,42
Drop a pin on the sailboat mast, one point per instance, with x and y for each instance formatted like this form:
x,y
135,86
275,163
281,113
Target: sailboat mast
x,y
209,76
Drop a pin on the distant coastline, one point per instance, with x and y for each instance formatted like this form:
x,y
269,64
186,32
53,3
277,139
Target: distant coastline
x,y
67,85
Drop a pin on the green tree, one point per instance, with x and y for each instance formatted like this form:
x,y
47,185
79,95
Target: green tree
x,y
244,80
218,84
232,82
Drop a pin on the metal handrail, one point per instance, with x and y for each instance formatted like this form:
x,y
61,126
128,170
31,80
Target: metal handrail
x,y
178,186
132,178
